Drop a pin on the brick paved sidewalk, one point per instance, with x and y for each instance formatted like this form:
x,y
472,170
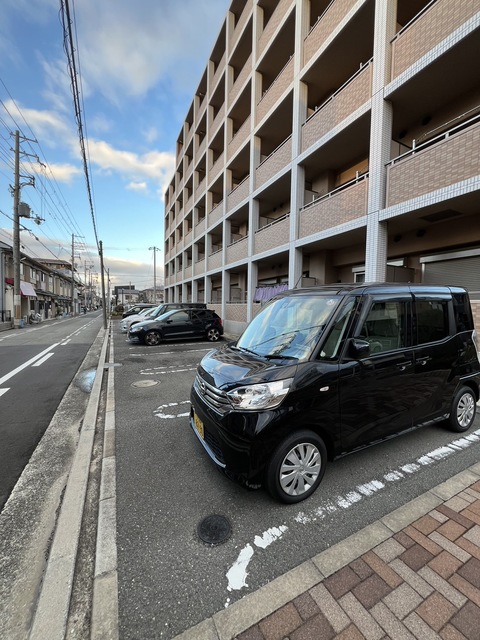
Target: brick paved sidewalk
x,y
424,582
413,574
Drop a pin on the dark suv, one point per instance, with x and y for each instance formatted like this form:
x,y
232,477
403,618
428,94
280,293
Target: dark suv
x,y
321,372
178,324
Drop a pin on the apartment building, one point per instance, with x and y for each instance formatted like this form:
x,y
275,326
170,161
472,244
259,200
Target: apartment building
x,y
328,141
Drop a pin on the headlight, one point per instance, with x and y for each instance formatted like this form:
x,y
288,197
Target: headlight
x,y
260,396
134,328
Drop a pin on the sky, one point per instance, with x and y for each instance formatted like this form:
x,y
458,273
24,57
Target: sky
x,y
139,65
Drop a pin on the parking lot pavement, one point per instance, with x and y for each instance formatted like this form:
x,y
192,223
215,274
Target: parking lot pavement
x,y
413,574
410,572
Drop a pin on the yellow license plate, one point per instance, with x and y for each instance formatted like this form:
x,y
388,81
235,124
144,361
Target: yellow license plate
x,y
198,426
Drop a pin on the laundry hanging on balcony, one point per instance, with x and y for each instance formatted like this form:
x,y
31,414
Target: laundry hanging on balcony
x,y
262,294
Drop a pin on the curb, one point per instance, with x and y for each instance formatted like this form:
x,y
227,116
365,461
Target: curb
x,y
51,614
105,585
254,607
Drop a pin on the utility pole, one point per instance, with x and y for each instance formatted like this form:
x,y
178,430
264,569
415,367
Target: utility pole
x,y
72,289
17,301
17,298
154,249
104,302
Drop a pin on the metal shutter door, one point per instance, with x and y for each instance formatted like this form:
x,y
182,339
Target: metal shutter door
x,y
463,272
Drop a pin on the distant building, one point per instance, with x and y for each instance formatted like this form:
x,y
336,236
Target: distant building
x,y
44,289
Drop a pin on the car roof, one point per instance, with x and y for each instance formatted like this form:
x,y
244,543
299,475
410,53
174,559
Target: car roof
x,y
372,288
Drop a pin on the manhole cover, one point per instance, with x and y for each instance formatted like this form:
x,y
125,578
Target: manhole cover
x,y
145,383
214,529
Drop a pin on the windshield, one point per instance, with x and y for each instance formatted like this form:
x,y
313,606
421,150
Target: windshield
x,y
289,327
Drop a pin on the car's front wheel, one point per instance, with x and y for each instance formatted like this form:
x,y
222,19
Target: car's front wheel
x,y
296,467
152,338
463,410
213,334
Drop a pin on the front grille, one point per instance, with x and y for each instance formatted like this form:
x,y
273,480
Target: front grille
x,y
212,442
211,395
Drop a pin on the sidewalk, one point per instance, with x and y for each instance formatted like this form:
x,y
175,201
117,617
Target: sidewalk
x,y
414,574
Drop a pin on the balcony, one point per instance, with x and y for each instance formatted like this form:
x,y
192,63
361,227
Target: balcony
x,y
340,206
441,162
435,23
272,235
215,214
218,72
280,11
239,138
281,83
216,168
200,267
324,27
274,163
241,22
215,260
200,227
350,97
217,121
237,250
237,195
240,81
188,272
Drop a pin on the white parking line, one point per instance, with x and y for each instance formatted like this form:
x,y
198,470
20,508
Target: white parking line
x,y
2,391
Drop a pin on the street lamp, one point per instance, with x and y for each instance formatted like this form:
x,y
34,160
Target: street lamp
x,y
154,249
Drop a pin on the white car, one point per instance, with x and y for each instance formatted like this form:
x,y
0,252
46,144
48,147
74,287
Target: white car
x,y
136,317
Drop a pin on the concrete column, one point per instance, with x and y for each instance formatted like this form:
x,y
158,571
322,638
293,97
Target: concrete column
x,y
380,142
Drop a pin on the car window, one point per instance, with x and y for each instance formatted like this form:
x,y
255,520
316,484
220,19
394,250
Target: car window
x,y
384,326
336,337
180,316
432,320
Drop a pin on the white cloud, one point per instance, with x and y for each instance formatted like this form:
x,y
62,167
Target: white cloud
x,y
137,186
128,51
154,165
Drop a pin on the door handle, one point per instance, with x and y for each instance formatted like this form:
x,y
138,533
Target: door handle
x,y
404,365
423,361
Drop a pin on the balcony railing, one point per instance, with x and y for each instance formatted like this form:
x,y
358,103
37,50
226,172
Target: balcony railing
x,y
439,162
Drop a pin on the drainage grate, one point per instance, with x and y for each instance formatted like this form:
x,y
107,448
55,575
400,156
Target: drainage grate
x,y
214,529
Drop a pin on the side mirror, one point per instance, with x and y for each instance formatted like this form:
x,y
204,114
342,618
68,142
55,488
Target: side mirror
x,y
359,348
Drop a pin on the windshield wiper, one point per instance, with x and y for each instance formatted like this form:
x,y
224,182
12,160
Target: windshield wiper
x,y
270,356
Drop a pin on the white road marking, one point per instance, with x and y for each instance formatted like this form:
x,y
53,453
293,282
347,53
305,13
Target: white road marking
x,y
164,370
237,573
2,391
26,364
42,360
160,414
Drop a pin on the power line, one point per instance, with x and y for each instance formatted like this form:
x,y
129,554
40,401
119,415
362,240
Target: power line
x,y
69,48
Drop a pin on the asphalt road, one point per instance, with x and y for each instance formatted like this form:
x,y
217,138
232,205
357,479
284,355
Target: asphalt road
x,y
37,364
169,579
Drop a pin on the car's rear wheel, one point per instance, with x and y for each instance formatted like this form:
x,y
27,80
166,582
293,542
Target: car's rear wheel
x,y
296,467
152,338
213,334
463,410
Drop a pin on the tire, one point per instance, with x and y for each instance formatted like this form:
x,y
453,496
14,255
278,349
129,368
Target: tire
x,y
213,334
463,410
152,338
296,467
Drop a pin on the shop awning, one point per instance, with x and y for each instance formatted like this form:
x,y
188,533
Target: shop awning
x,y
26,289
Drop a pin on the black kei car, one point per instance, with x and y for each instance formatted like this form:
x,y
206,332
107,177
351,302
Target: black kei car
x,y
178,324
322,372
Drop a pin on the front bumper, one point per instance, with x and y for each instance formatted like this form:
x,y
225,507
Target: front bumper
x,y
231,440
